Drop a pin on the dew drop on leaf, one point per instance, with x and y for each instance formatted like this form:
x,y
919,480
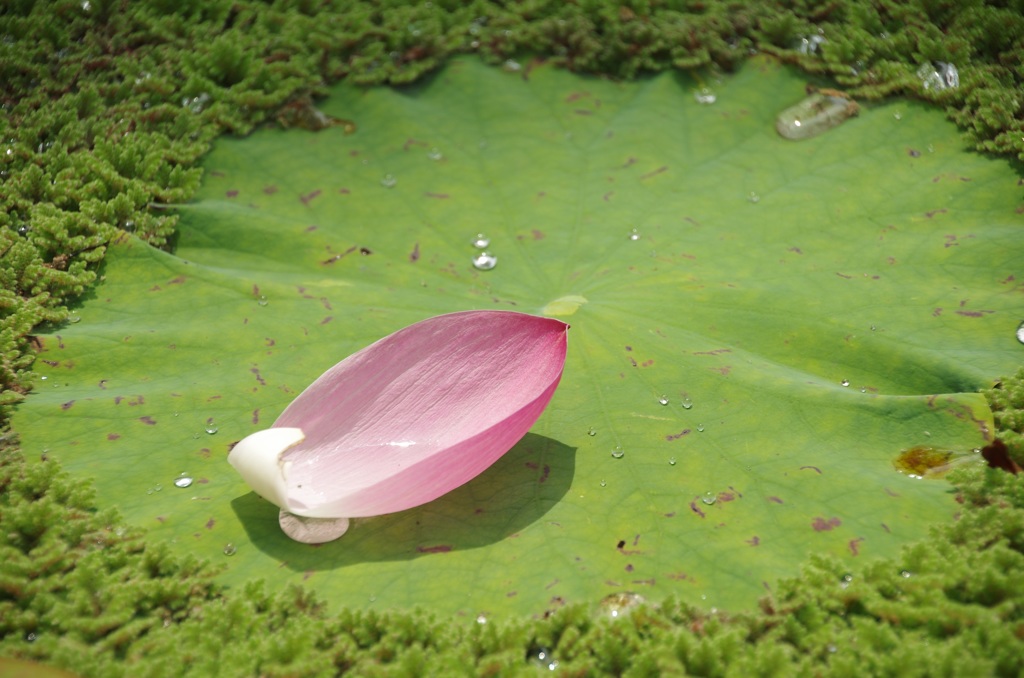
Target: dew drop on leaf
x,y
435,154
262,301
705,96
211,427
753,198
844,382
700,428
1020,333
618,452
485,261
481,241
671,461
184,480
229,549
687,403
634,235
709,498
389,181
663,400
905,574
592,431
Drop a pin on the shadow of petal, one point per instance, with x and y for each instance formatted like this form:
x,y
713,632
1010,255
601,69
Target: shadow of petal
x,y
512,494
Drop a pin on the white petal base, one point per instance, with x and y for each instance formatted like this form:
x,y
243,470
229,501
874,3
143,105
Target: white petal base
x,y
312,530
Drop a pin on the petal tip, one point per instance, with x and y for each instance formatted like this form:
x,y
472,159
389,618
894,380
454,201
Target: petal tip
x,y
257,458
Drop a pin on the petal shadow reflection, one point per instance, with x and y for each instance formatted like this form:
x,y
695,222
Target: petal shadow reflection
x,y
512,494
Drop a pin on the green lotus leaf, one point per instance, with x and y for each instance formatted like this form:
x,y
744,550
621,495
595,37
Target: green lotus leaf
x,y
759,328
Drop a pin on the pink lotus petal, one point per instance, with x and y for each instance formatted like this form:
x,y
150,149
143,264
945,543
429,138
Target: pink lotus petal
x,y
410,417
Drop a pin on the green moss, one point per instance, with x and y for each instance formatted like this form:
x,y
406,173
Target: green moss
x,y
108,107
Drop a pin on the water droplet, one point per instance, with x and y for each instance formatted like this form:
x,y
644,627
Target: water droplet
x,y
388,181
211,427
480,619
43,378
618,452
709,498
481,241
671,461
687,403
905,574
184,480
844,382
604,483
262,301
229,549
700,428
485,261
372,598
1020,333
30,637
938,76
74,318
897,115
705,96
592,431
542,656
873,328
435,154
845,580
196,104
816,114
618,604
511,65
663,400
809,44
831,648
931,149
753,198
149,491
634,235
158,488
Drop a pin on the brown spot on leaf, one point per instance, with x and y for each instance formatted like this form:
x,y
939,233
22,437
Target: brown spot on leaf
x,y
663,168
231,194
775,500
440,548
308,197
932,213
677,436
439,196
754,541
854,545
67,405
693,507
113,436
414,256
821,525
997,455
149,421
269,190
843,275
913,153
210,523
812,468
336,257
409,143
